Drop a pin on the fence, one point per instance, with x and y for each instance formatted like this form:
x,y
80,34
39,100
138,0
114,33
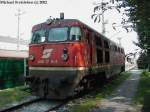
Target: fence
x,y
11,72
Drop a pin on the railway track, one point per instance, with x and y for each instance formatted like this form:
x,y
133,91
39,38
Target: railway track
x,y
36,105
44,105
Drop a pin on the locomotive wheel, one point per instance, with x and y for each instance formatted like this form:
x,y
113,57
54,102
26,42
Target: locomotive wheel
x,y
82,86
87,85
78,90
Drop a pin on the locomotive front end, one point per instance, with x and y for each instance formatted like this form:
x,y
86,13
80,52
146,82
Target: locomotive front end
x,y
56,59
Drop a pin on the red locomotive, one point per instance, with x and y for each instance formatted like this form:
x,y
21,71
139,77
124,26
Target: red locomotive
x,y
66,55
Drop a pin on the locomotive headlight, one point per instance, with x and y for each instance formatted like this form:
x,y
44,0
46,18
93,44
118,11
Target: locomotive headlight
x,y
31,57
65,56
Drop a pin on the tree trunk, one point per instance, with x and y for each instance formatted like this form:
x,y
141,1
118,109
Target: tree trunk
x,y
148,57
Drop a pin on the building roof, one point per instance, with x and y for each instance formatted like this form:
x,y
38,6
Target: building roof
x,y
12,40
13,54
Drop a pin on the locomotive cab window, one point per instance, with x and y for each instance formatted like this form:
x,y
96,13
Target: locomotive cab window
x,y
75,33
58,34
38,36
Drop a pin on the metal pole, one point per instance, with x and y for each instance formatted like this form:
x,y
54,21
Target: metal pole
x,y
25,69
18,31
103,21
119,39
18,39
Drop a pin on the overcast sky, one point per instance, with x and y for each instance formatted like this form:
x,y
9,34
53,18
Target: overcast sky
x,y
74,9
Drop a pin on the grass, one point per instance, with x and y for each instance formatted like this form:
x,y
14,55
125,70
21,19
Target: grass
x,y
96,96
143,94
8,96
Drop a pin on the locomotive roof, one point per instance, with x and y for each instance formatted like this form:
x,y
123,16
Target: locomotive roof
x,y
57,23
70,22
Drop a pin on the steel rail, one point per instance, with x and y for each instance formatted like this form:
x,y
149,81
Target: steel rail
x,y
57,106
20,105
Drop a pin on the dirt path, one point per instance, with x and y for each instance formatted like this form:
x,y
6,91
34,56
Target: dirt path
x,y
121,99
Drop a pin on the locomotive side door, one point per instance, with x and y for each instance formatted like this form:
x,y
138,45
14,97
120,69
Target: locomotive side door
x,y
92,47
90,41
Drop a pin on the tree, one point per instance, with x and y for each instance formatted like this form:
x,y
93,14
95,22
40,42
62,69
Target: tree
x,y
139,14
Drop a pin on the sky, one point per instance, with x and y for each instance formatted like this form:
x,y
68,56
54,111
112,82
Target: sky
x,y
73,9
